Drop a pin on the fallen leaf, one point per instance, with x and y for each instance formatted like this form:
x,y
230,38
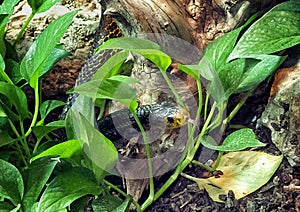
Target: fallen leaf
x,y
243,172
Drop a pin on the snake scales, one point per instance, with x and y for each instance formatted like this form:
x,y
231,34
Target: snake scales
x,y
172,115
161,117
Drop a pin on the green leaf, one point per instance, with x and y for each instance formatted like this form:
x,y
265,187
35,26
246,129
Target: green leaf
x,y
5,138
39,6
146,48
11,183
100,150
13,71
6,207
49,105
68,186
7,7
243,173
258,70
230,75
42,131
114,88
16,97
191,70
37,59
35,178
65,149
112,66
275,31
238,140
110,203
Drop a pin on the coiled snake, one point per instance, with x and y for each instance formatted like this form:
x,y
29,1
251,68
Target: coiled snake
x,y
156,112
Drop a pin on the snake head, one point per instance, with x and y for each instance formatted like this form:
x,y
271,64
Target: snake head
x,y
169,114
177,119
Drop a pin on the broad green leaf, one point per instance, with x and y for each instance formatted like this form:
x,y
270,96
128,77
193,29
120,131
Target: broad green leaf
x,y
39,6
5,138
243,173
68,186
37,58
11,183
258,70
100,150
275,31
110,203
191,70
35,178
41,131
3,75
230,75
13,71
112,66
238,140
49,105
146,48
7,6
16,97
6,207
65,149
109,89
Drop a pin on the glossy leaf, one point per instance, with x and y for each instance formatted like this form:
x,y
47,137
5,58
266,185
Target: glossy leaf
x,y
110,203
114,88
35,178
39,6
66,187
146,48
238,140
65,149
100,150
13,68
49,105
243,173
258,70
41,131
16,97
277,30
11,183
38,57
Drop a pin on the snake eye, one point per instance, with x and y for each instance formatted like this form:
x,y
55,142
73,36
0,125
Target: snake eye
x,y
170,120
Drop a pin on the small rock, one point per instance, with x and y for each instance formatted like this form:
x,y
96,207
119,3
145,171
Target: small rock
x,y
282,114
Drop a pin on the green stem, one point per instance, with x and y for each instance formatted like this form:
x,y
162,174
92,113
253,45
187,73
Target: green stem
x,y
36,109
205,106
148,153
235,110
169,83
20,34
202,165
138,207
184,163
24,144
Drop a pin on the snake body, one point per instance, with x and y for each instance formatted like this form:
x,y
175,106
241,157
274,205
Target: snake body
x,y
169,114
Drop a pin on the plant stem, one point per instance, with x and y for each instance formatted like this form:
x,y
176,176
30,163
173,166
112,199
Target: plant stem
x,y
20,34
235,110
148,153
184,163
169,83
138,207
36,108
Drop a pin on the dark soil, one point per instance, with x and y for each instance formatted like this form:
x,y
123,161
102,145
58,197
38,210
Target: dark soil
x,y
281,193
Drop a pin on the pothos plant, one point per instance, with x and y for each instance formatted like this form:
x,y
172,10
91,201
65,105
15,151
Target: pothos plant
x,y
50,176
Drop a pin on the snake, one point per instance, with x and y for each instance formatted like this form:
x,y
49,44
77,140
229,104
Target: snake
x,y
167,114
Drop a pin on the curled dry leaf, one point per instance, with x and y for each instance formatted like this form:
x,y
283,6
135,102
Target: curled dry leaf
x,y
243,172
